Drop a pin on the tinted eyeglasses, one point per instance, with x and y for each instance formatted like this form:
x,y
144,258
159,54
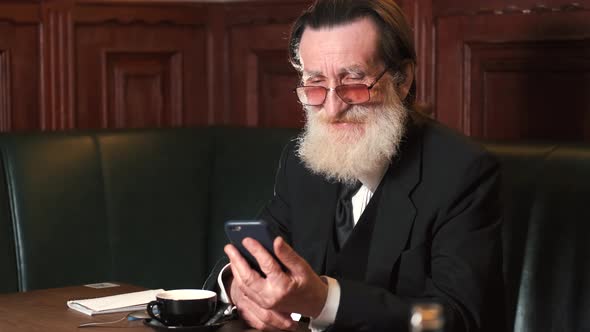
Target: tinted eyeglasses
x,y
351,94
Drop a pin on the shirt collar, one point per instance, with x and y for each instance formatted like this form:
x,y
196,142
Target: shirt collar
x,y
372,179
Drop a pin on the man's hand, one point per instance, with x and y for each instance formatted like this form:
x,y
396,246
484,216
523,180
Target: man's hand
x,y
256,316
299,289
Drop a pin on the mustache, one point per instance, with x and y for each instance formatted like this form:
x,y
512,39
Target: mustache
x,y
355,114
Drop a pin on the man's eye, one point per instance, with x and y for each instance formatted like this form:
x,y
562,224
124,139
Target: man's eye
x,y
353,80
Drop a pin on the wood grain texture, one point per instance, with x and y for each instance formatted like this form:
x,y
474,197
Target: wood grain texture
x,y
475,53
506,7
118,64
46,311
70,64
262,79
19,68
5,94
16,12
58,71
420,16
532,90
144,90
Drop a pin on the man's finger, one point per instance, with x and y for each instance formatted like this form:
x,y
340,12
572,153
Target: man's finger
x,y
267,263
249,289
252,292
236,259
270,318
240,267
289,257
250,318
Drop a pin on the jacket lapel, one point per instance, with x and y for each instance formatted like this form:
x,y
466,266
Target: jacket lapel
x,y
395,211
317,222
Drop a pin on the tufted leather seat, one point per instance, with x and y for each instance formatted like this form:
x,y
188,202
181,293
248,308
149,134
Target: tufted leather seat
x,y
546,235
136,206
57,208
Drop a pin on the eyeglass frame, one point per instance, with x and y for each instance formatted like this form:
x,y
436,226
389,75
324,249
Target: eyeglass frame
x,y
369,87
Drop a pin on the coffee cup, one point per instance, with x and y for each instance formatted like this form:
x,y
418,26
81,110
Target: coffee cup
x,y
183,307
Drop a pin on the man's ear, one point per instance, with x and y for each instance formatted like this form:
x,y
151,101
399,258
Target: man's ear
x,y
408,75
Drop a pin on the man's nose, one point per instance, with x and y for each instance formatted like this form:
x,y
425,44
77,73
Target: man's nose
x,y
334,105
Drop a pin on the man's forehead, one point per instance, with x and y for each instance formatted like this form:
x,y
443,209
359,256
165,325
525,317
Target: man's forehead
x,y
342,48
355,69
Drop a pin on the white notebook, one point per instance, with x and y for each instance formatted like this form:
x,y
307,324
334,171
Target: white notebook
x,y
115,303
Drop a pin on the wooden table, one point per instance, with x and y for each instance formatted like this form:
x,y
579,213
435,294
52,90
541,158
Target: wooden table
x,y
46,311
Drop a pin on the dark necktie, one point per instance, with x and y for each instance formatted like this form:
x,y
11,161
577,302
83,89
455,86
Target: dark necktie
x,y
344,220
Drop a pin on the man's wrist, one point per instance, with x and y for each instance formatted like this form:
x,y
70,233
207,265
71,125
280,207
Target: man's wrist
x,y
327,316
321,298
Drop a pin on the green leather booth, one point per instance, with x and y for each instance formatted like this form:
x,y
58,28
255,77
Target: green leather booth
x,y
139,206
147,207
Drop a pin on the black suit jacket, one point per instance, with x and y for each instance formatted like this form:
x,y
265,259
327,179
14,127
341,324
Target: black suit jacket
x,y
436,234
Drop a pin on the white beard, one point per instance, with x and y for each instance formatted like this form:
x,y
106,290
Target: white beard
x,y
346,155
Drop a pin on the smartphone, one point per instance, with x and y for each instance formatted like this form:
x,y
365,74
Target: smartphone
x,y
260,230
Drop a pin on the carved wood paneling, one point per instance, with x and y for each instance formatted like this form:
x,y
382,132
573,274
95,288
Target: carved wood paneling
x,y
172,13
256,13
5,94
259,66
19,68
465,82
136,63
134,56
144,90
419,15
504,7
58,70
273,96
17,12
217,67
534,90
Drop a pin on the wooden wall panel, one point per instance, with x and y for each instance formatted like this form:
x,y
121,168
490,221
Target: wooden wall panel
x,y
19,67
441,8
262,80
533,90
485,67
140,75
494,74
420,16
5,88
277,106
143,90
58,70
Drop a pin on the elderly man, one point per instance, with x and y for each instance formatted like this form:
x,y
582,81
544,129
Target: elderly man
x,y
378,206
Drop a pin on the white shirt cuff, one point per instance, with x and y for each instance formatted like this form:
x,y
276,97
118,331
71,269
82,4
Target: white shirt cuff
x,y
222,293
328,314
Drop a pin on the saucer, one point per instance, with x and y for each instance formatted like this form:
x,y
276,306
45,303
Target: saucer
x,y
161,327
